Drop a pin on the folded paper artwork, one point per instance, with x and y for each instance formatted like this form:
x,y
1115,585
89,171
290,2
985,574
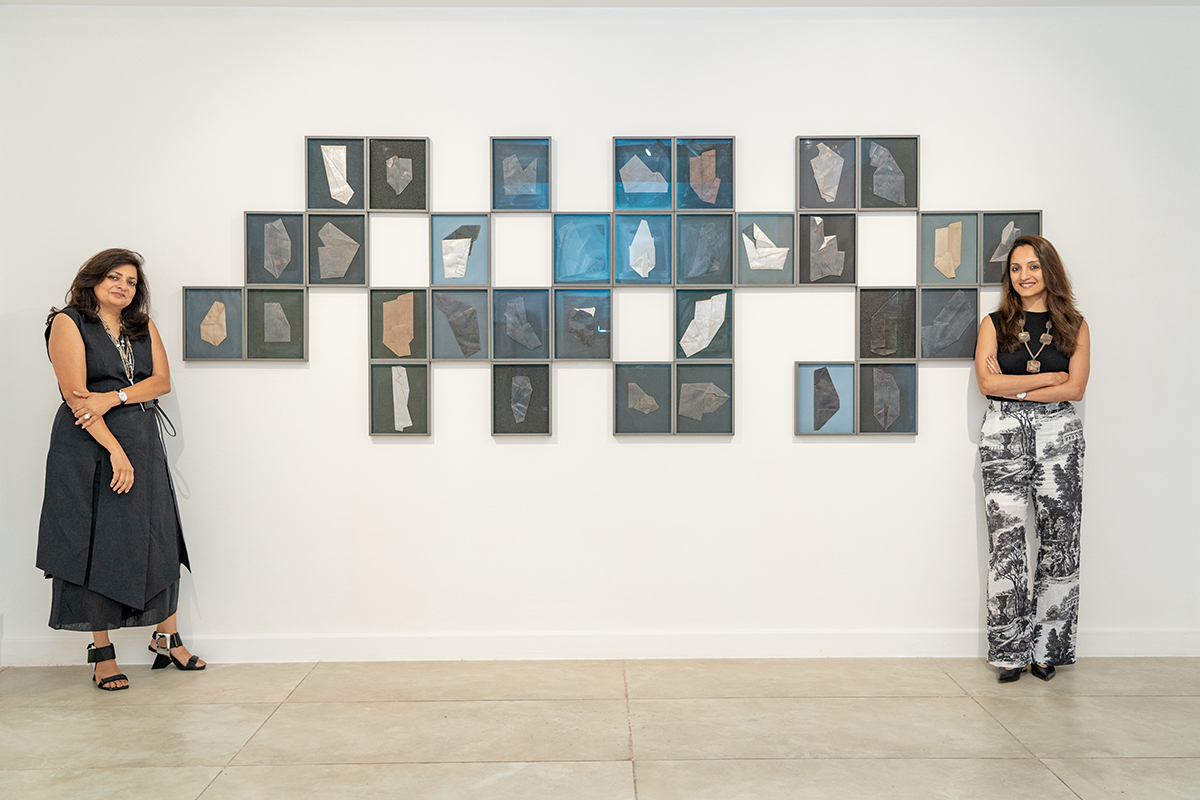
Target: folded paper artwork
x,y
212,327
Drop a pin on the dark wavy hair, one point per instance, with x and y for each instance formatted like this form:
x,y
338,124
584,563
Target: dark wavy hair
x,y
1060,300
135,317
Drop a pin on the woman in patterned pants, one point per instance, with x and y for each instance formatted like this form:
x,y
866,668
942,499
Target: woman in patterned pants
x,y
1031,361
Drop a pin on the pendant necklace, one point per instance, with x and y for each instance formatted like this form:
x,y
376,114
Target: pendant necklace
x,y
1033,365
126,350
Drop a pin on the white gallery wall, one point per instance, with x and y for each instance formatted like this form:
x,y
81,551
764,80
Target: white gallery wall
x,y
156,128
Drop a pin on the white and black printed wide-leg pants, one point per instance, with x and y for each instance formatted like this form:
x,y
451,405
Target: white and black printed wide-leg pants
x,y
1032,451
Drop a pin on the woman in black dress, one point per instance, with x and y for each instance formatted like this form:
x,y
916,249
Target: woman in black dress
x,y
110,536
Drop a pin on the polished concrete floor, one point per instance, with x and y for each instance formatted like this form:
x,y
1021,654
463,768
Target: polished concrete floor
x,y
606,730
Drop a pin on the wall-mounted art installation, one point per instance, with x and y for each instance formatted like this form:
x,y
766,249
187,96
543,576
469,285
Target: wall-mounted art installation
x,y
337,250
1000,230
826,177
520,324
824,398
642,249
949,248
399,174
460,324
766,252
274,248
704,248
949,323
520,174
827,253
704,399
400,399
336,178
643,403
887,398
276,324
703,323
583,323
887,323
704,173
400,324
889,173
642,178
212,323
521,399
460,249
582,248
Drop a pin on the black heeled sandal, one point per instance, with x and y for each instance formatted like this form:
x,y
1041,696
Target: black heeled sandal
x,y
163,642
107,653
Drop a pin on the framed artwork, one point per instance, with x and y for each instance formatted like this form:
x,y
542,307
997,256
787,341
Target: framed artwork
x,y
399,174
583,323
461,252
212,323
400,399
1000,230
704,248
887,398
889,173
460,324
643,403
826,177
276,324
703,323
949,323
274,248
824,398
642,174
335,178
704,173
828,250
337,249
887,323
521,399
704,403
643,249
949,248
766,249
520,174
582,247
399,324
521,324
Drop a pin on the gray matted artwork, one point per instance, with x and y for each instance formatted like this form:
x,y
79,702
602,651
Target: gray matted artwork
x,y
336,177
890,177
703,323
704,400
274,248
276,325
400,399
644,404
826,177
520,324
1000,230
337,250
583,324
887,398
827,253
212,323
949,323
765,246
887,323
460,324
950,248
399,174
521,399
400,324
704,248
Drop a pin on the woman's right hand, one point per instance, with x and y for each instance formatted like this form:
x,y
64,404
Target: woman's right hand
x,y
122,480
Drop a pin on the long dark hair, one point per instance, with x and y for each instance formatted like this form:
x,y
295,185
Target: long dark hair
x,y
1060,300
135,317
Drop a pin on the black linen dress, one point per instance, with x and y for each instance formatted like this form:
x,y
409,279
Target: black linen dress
x,y
114,558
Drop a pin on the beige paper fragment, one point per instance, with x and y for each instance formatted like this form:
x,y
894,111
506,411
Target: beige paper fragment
x,y
702,175
947,249
212,327
398,324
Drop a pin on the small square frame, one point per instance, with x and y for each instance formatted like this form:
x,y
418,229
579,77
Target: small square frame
x,y
905,151
654,379
539,414
662,230
933,302
842,225
721,345
992,229
870,302
842,375
537,314
967,273
720,421
355,226
808,193
686,197
583,259
479,262
294,304
691,248
382,195
445,344
905,376
255,223
419,346
527,151
317,190
569,347
657,154
780,230
197,302
382,411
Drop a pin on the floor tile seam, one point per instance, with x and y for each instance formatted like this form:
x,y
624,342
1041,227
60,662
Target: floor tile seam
x,y
469,700
629,722
809,697
952,679
275,710
208,785
1023,759
429,762
300,682
1059,778
1004,727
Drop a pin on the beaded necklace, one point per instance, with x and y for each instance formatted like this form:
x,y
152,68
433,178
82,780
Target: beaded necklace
x,y
126,350
1033,365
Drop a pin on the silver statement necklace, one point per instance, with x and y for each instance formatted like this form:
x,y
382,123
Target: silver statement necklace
x,y
126,350
1033,365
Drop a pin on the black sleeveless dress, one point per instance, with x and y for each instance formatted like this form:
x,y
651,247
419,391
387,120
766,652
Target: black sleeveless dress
x,y
114,557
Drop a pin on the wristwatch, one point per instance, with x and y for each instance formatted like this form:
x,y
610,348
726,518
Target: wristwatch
x,y
122,396
1020,396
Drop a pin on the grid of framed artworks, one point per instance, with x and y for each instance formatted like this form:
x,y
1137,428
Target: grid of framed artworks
x,y
673,224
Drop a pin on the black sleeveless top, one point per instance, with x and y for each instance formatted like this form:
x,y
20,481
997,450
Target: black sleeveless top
x,y
1014,363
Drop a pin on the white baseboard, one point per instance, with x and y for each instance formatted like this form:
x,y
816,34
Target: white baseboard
x,y
68,648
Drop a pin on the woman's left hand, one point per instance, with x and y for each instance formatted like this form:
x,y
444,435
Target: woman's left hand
x,y
91,407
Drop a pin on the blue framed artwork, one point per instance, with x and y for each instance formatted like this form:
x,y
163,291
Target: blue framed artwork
x,y
824,398
828,247
1000,230
765,245
212,323
335,174
887,398
949,323
400,399
827,176
582,247
583,323
703,323
642,174
460,324
704,403
704,248
521,395
643,249
643,399
520,174
520,323
460,249
950,248
274,248
704,173
337,250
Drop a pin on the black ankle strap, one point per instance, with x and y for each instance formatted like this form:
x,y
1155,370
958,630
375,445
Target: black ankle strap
x,y
98,654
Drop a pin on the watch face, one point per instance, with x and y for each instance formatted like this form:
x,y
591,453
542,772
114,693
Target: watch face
x,y
121,394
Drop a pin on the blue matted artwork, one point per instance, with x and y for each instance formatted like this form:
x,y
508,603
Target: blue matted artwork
x,y
520,174
521,323
583,323
460,324
704,248
581,248
719,333
829,387
460,242
962,261
766,252
643,244
703,173
642,174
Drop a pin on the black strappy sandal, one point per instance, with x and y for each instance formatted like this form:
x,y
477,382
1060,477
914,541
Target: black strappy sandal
x,y
164,656
107,653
